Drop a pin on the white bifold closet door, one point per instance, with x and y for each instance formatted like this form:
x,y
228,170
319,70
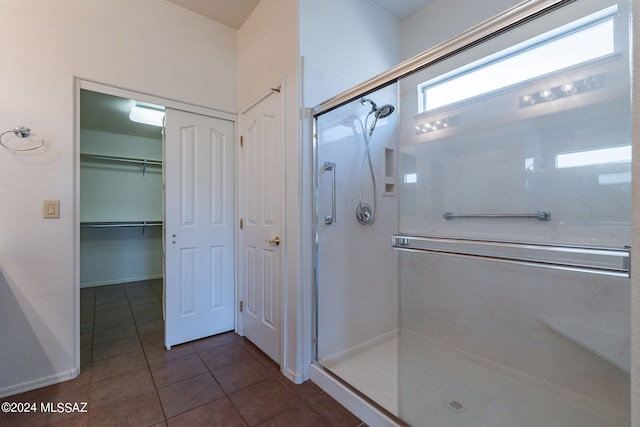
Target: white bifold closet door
x,y
199,226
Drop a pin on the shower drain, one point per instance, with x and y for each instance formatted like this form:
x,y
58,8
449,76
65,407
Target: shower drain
x,y
456,406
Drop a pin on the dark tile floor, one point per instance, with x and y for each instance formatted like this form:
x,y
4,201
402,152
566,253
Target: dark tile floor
x,y
128,378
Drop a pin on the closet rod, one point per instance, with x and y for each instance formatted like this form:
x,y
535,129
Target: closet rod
x,y
120,224
122,159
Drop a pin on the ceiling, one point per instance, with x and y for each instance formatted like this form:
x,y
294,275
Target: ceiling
x,y
402,9
107,113
233,13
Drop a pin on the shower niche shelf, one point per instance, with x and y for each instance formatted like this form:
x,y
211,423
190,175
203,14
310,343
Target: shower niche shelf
x,y
609,345
389,172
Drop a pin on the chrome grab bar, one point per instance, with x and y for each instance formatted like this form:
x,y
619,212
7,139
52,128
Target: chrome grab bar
x,y
610,261
541,215
330,219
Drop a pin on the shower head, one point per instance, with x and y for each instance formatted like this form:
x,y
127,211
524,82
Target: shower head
x,y
384,111
380,113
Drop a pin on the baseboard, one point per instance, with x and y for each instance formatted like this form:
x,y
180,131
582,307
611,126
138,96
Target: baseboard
x,y
355,403
295,377
119,281
38,383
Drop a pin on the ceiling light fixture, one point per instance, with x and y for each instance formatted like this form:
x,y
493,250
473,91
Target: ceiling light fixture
x,y
562,91
435,125
147,115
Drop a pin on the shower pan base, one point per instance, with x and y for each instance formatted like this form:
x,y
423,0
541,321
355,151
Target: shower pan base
x,y
350,398
374,371
444,387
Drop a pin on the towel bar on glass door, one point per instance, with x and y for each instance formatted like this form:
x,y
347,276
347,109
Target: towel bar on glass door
x,y
542,216
610,261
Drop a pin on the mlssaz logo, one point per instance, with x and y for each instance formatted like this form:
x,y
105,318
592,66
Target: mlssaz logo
x,y
63,407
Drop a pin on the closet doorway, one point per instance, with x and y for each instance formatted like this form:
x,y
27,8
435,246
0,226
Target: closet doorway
x,y
126,245
120,193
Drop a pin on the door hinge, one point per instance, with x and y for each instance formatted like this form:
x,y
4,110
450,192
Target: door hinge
x,y
241,306
241,141
241,223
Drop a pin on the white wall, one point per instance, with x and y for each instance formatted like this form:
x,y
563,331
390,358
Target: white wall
x,y
149,46
442,20
118,191
120,255
344,43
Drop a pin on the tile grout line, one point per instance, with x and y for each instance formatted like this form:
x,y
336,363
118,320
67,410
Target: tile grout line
x,y
153,381
90,361
226,395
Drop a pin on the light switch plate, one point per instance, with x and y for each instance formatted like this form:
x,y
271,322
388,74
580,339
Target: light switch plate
x,y
51,209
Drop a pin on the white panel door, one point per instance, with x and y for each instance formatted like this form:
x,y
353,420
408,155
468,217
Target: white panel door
x,y
261,197
199,226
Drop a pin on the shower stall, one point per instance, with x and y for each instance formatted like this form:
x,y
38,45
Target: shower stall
x,y
473,223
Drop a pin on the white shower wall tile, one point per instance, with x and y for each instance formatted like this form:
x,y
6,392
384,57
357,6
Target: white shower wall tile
x,y
358,280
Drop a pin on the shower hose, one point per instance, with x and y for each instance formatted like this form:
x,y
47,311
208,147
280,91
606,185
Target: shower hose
x,y
365,214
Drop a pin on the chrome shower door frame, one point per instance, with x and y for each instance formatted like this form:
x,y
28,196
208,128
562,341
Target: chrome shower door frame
x,y
517,15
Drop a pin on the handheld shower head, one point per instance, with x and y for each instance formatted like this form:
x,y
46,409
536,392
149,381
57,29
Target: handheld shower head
x,y
384,111
380,113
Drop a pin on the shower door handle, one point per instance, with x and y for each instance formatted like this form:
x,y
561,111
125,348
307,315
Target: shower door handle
x,y
330,219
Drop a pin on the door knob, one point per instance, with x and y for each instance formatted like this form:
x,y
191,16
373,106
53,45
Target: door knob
x,y
274,242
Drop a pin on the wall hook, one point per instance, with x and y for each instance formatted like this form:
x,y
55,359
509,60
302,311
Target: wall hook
x,y
20,132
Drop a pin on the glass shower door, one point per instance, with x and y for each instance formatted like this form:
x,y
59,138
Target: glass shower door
x,y
514,227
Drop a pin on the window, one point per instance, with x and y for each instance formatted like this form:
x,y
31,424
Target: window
x,y
599,156
583,40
